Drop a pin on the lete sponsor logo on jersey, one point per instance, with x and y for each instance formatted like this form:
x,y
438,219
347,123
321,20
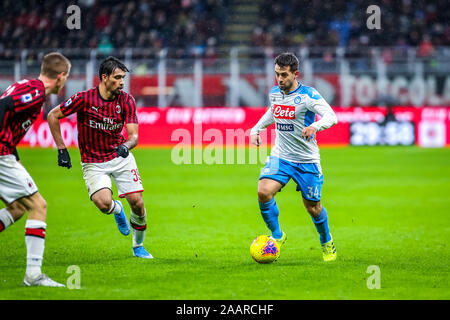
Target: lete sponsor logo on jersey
x,y
283,112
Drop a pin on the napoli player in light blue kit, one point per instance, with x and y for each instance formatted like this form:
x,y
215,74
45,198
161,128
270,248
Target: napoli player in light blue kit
x,y
293,108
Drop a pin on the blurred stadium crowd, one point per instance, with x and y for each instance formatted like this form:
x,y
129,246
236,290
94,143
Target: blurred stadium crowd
x,y
197,26
106,24
343,23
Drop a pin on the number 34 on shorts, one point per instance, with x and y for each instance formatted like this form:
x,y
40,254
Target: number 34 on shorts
x,y
313,192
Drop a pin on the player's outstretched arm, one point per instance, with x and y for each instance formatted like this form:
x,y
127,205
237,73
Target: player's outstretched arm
x,y
265,121
132,141
55,128
255,139
318,105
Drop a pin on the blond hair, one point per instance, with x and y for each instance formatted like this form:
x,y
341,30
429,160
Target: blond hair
x,y
53,64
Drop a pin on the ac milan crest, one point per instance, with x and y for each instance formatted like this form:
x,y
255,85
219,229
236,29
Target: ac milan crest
x,y
30,183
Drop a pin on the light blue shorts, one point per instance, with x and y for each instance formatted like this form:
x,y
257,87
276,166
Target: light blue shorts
x,y
307,176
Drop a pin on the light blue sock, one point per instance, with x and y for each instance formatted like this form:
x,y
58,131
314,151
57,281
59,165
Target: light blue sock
x,y
270,212
321,223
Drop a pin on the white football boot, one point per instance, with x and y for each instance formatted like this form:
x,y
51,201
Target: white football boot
x,y
41,280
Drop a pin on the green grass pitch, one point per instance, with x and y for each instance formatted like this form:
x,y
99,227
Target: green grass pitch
x,y
387,206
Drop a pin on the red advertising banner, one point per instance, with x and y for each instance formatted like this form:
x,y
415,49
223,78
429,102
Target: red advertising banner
x,y
426,127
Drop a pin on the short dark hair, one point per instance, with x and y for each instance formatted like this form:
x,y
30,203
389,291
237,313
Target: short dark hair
x,y
53,64
287,59
109,65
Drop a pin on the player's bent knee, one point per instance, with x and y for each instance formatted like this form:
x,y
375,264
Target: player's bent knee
x,y
42,205
136,203
36,205
41,208
103,206
267,189
39,204
102,200
135,200
264,195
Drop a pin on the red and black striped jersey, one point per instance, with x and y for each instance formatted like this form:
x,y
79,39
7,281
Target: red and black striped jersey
x,y
100,122
28,96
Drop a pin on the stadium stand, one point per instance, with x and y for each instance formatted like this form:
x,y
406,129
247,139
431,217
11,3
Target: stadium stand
x,y
343,23
187,24
201,26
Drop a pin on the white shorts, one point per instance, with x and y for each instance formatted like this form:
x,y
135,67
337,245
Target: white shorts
x,y
124,171
15,181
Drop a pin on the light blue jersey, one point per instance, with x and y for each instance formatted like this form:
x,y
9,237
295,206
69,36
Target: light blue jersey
x,y
292,113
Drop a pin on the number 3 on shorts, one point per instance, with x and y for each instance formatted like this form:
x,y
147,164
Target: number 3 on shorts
x,y
135,172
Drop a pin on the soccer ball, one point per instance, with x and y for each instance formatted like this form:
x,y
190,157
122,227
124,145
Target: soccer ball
x,y
264,249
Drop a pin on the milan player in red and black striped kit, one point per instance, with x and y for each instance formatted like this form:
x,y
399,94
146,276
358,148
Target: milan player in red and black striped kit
x,y
20,105
102,113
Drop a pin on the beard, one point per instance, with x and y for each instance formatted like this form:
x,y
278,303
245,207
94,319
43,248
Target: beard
x,y
286,85
116,91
